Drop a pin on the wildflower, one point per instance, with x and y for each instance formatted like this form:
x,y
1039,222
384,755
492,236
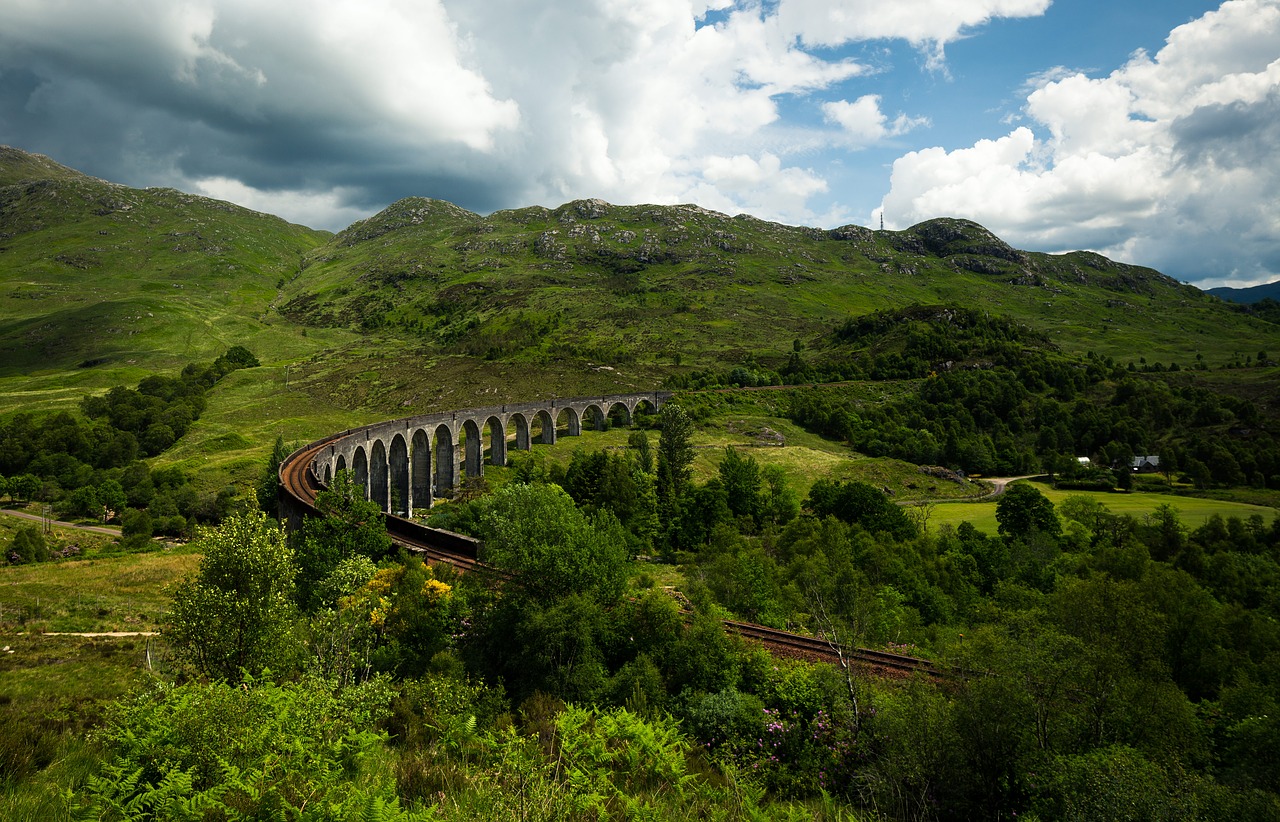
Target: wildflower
x,y
435,589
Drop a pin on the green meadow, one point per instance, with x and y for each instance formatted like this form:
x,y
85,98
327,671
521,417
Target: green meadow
x,y
1193,511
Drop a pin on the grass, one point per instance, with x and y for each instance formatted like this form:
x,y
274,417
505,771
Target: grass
x,y
720,289
54,690
1193,511
58,536
805,458
118,593
426,307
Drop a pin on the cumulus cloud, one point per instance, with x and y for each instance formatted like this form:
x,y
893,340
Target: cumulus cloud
x,y
927,24
1169,161
334,109
864,123
758,186
311,208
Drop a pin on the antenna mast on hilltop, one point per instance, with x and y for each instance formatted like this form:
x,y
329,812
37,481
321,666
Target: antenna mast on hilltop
x,y
882,219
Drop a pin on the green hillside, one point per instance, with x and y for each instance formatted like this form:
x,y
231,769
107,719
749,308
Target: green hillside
x,y
100,283
649,285
848,406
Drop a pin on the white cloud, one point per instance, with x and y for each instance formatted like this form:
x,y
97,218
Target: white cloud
x,y
1170,160
339,107
311,208
637,102
760,185
927,24
864,123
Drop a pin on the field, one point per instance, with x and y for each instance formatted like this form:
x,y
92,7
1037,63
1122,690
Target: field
x,y
126,592
1193,511
55,688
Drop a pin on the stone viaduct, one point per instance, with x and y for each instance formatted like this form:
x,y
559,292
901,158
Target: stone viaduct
x,y
404,464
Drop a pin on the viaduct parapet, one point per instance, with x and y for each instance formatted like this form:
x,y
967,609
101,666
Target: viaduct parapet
x,y
404,464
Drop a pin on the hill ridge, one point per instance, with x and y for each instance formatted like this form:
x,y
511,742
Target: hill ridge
x,y
660,285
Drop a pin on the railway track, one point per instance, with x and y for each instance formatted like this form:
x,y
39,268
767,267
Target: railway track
x,y
301,487
816,649
297,481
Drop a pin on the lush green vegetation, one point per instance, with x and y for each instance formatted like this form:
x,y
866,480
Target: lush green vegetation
x,y
1099,662
1112,651
91,466
428,307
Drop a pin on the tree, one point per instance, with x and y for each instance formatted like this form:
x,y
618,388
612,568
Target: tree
x,y
553,548
779,504
858,502
675,459
639,440
741,478
269,484
349,525
235,616
1022,509
628,491
28,545
112,498
408,605
136,527
237,356
23,486
1199,473
83,502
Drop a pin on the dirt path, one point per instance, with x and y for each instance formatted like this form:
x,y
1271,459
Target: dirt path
x,y
99,634
97,529
999,484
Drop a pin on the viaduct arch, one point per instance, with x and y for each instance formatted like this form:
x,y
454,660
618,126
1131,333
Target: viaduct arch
x,y
405,464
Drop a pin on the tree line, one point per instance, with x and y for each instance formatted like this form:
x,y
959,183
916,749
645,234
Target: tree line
x,y
91,465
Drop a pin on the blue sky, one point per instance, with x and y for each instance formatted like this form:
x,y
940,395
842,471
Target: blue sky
x,y
1145,131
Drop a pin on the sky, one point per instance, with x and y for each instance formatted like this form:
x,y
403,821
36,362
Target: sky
x,y
1147,131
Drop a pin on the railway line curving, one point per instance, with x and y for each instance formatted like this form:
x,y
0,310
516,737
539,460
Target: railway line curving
x,y
300,484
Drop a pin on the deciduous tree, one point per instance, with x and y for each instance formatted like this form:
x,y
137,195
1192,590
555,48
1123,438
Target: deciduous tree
x,y
675,458
1022,509
554,549
235,615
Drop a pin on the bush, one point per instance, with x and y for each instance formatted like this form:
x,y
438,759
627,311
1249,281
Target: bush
x,y
257,751
28,546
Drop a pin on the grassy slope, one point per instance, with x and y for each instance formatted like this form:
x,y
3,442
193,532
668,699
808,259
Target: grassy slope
x,y
1192,510
109,593
102,284
640,284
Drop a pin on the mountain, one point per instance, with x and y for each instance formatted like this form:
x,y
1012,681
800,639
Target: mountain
x,y
426,305
636,285
1251,294
95,275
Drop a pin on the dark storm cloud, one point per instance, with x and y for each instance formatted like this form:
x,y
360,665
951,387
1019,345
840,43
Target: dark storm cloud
x,y
1233,135
186,94
325,112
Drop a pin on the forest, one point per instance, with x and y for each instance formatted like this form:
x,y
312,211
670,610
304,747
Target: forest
x,y
93,465
1101,638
